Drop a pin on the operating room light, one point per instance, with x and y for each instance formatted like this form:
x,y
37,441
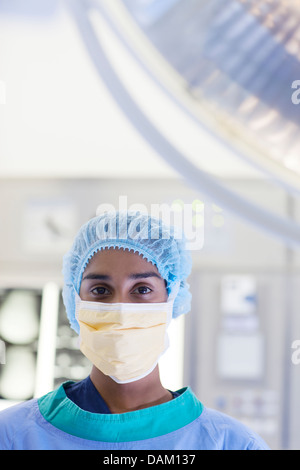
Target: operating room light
x,y
228,66
238,59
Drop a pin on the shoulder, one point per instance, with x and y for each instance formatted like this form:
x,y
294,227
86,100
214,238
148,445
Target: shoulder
x,y
21,410
228,433
14,420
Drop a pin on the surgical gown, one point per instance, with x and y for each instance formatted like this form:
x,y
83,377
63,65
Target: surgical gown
x,y
55,422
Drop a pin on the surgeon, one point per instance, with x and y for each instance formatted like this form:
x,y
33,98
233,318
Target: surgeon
x,y
125,279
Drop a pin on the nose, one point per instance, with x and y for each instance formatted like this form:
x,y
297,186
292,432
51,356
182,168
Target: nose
x,y
120,296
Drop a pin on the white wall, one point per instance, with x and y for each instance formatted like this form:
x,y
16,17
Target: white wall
x,y
58,119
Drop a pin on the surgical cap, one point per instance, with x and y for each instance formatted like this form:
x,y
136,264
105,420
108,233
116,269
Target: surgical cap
x,y
155,241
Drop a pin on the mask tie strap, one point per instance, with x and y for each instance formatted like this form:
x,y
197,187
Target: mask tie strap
x,y
175,291
77,303
171,301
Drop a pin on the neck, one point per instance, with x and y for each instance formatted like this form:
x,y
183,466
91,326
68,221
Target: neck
x,y
122,398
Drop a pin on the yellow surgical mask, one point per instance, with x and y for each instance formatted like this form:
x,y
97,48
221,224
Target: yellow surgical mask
x,y
124,340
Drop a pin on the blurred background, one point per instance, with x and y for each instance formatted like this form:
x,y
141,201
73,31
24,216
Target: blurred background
x,y
187,103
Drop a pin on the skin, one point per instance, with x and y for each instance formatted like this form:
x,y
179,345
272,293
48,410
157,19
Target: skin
x,y
116,275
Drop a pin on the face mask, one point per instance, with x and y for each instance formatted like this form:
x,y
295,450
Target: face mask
x,y
124,340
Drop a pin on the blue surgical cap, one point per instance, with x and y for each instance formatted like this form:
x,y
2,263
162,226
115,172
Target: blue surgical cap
x,y
155,241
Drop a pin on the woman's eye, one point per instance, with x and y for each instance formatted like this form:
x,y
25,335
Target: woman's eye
x,y
100,291
143,290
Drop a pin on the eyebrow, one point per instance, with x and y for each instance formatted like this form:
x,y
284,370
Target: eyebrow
x,y
144,275
105,277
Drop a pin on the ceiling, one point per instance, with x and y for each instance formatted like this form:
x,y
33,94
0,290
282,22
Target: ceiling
x,y
58,119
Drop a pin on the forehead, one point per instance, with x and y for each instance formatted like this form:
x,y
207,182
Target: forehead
x,y
120,260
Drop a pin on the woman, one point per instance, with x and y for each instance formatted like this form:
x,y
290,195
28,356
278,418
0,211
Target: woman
x,y
125,279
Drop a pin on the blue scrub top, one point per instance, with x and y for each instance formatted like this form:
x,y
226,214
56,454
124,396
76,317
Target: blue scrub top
x,y
85,395
55,422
